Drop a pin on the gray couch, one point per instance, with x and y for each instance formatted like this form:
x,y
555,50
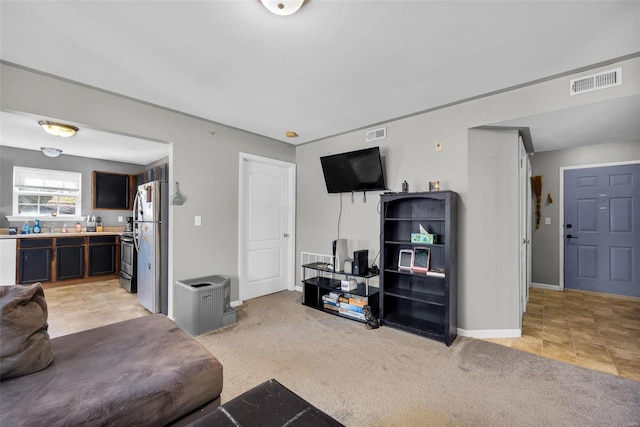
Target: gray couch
x,y
140,372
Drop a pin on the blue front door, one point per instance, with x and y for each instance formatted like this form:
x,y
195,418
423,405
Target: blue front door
x,y
602,229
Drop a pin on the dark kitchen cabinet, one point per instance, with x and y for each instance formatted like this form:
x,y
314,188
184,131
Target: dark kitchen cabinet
x,y
69,258
102,255
158,173
112,191
34,260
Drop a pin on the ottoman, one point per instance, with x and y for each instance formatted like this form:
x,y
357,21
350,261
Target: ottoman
x,y
268,405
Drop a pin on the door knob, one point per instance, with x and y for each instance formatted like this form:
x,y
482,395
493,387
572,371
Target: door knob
x,y
286,234
569,236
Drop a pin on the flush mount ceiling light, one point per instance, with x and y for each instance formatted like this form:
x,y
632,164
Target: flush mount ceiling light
x,y
283,7
290,134
50,151
58,129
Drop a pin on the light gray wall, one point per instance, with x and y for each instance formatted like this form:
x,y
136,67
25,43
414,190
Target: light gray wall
x,y
546,239
10,157
206,167
410,155
492,238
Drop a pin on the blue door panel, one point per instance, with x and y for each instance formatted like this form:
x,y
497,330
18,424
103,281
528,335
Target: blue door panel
x,y
602,229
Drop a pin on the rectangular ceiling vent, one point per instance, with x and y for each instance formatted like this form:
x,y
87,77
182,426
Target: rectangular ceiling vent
x,y
372,135
595,81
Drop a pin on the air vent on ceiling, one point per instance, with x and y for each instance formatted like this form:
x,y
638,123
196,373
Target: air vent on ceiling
x,y
372,135
596,81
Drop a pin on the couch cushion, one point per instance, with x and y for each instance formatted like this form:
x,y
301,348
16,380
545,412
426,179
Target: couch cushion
x,y
25,342
144,371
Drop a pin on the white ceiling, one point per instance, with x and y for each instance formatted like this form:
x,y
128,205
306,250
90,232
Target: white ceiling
x,y
23,131
616,120
333,67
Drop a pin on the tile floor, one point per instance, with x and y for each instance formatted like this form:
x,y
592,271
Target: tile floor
x,y
592,330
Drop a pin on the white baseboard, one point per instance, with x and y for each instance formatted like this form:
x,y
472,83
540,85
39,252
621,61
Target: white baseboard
x,y
239,302
490,333
545,286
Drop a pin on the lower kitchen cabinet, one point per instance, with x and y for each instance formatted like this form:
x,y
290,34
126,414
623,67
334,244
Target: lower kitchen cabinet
x,y
69,258
102,255
34,261
60,257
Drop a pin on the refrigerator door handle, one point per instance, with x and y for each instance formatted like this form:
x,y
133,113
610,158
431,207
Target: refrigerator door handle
x,y
135,207
136,224
136,236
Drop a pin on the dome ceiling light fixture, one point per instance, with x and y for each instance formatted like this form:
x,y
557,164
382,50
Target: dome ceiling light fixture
x,y
283,7
290,134
58,129
50,151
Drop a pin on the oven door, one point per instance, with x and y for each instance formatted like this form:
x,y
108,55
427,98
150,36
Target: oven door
x,y
127,257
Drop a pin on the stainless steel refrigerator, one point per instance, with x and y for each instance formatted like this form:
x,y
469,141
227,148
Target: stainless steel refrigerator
x,y
150,227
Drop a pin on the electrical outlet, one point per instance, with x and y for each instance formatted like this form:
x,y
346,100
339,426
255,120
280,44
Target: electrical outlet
x,y
438,146
120,219
547,221
198,221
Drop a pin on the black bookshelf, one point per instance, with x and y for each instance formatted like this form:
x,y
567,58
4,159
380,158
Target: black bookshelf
x,y
418,302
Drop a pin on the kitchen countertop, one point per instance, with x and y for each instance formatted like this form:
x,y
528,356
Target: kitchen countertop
x,y
60,234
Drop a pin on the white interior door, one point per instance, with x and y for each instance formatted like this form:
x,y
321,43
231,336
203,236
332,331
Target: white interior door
x,y
267,226
529,220
523,194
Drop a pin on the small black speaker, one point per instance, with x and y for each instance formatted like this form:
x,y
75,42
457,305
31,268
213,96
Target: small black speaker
x,y
361,262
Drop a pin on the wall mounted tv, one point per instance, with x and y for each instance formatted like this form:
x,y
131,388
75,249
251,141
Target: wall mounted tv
x,y
353,171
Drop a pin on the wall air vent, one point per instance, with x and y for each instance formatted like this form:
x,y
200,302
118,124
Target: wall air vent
x,y
372,135
595,81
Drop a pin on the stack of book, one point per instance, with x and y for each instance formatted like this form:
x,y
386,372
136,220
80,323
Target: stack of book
x,y
330,301
346,304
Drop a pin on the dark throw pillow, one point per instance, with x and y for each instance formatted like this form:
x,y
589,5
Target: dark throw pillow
x,y
24,340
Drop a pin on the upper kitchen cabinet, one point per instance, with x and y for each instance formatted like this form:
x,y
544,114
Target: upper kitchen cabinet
x,y
112,191
158,173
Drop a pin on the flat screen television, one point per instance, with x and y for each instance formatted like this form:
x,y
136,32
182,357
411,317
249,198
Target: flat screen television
x,y
359,170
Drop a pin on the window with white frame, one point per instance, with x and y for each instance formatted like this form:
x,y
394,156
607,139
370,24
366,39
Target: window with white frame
x,y
42,192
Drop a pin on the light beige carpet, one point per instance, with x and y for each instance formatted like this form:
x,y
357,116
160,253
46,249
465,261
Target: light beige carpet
x,y
387,377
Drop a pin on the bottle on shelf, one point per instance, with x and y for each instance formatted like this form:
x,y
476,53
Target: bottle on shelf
x,y
26,228
36,227
78,227
64,227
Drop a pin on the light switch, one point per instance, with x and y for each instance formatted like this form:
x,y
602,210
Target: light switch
x,y
120,219
198,221
547,221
